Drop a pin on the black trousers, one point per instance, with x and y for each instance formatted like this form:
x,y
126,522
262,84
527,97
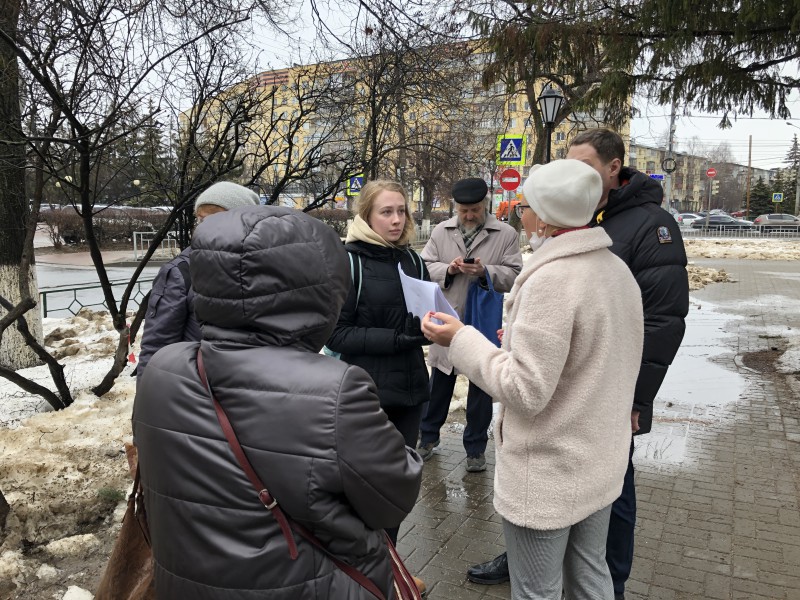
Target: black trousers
x,y
406,421
619,545
479,413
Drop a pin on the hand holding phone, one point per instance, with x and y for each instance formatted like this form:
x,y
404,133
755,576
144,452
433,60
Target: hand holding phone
x,y
470,260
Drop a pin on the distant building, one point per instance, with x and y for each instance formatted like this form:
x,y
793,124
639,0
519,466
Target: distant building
x,y
689,183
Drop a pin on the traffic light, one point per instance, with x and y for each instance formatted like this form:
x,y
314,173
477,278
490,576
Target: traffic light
x,y
714,187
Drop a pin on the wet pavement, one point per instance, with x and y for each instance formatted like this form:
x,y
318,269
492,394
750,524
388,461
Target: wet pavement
x,y
718,479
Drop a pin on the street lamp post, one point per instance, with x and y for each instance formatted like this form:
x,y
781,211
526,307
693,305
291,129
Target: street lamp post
x,y
550,101
797,182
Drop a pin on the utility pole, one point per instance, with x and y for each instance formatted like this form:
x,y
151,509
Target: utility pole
x,y
749,171
668,176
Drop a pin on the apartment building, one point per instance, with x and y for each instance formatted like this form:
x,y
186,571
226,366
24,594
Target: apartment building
x,y
689,183
328,114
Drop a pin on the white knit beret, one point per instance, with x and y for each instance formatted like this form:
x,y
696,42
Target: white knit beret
x,y
564,193
228,195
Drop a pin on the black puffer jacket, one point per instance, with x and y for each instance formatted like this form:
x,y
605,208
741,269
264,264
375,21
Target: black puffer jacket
x,y
365,333
648,239
270,282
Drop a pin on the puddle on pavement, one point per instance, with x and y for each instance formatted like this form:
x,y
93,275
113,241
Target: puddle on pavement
x,y
696,388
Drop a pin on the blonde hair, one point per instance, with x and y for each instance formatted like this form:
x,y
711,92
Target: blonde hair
x,y
366,199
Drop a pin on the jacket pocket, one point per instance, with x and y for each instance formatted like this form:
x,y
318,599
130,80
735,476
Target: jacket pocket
x,y
153,304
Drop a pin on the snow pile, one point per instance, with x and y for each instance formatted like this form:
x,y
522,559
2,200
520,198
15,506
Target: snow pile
x,y
748,249
63,473
700,277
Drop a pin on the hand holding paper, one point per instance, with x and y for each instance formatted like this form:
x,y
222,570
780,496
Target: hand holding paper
x,y
443,333
423,297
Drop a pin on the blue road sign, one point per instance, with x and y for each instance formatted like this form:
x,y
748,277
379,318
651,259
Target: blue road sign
x,y
777,197
354,185
657,176
511,150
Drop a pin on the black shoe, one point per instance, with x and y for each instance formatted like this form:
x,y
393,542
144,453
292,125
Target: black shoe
x,y
490,573
619,596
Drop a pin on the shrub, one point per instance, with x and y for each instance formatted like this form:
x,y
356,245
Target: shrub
x,y
334,217
109,225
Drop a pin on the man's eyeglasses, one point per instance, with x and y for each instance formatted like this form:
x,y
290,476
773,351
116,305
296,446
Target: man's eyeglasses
x,y
520,209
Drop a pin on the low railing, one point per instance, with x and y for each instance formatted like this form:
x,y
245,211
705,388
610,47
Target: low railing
x,y
695,232
142,240
73,299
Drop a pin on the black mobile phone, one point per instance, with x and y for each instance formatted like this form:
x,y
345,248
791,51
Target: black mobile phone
x,y
470,260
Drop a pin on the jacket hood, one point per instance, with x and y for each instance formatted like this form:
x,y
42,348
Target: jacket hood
x,y
639,189
269,276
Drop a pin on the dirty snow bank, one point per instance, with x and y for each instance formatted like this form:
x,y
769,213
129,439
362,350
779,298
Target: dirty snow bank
x,y
63,473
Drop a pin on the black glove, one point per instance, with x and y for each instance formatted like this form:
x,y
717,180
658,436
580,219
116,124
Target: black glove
x,y
411,335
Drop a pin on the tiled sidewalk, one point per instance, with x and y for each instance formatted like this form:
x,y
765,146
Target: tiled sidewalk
x,y
718,480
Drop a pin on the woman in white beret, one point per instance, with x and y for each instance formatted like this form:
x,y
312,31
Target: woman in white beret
x,y
565,376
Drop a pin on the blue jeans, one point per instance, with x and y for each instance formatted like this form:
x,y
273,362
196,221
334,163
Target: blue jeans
x,y
479,413
619,546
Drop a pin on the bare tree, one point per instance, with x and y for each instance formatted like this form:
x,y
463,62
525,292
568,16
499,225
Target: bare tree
x,y
95,66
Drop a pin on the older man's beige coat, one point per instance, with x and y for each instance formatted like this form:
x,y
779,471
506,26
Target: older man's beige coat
x,y
565,377
497,245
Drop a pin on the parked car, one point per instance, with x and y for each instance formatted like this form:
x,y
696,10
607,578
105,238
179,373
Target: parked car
x,y
738,214
777,222
686,219
722,223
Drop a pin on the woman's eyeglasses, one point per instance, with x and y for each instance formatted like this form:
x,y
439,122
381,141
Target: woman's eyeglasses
x,y
520,209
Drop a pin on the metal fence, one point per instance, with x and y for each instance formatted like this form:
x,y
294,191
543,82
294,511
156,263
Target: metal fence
x,y
60,301
747,234
142,240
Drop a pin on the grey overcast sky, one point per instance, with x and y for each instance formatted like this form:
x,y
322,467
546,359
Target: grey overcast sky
x,y
772,138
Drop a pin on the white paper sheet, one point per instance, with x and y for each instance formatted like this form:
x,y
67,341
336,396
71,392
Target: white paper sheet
x,y
424,296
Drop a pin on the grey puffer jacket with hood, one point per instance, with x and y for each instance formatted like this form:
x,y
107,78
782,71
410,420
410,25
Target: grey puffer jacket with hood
x,y
270,283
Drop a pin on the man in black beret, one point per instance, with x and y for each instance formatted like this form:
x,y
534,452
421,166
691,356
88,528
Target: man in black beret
x,y
473,246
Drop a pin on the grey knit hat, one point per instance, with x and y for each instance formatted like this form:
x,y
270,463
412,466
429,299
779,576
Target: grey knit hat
x,y
227,195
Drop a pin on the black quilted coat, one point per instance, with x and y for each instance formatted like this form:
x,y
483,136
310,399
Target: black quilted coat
x,y
365,333
270,283
649,240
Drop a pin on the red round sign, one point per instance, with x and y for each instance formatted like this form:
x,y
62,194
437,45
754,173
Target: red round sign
x,y
712,172
510,179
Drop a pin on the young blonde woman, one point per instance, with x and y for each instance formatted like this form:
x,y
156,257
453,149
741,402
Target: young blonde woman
x,y
375,331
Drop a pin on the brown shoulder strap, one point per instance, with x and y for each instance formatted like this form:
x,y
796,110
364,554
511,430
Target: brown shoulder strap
x,y
270,502
263,494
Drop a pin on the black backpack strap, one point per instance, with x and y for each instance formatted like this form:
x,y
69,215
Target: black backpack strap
x,y
356,273
413,254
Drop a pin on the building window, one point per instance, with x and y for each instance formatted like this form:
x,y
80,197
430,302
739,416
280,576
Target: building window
x,y
560,136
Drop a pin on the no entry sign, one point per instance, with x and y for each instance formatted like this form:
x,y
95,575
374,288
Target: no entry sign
x,y
712,172
510,179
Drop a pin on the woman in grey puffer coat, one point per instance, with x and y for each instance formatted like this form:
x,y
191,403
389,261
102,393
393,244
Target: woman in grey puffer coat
x,y
270,283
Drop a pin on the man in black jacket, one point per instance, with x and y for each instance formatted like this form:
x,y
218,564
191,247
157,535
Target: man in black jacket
x,y
648,239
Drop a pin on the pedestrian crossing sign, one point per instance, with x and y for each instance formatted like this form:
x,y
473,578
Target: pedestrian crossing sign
x,y
354,184
511,150
777,197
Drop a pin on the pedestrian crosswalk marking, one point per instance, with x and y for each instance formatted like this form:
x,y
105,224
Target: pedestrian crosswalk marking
x,y
511,152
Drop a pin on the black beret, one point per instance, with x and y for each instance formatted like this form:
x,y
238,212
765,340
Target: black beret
x,y
470,191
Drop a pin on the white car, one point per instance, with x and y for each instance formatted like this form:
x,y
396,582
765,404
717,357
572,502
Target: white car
x,y
686,219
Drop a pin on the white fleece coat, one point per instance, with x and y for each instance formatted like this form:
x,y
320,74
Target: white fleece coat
x,y
565,376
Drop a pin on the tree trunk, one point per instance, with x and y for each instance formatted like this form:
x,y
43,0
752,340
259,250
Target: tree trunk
x,y
427,204
14,353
